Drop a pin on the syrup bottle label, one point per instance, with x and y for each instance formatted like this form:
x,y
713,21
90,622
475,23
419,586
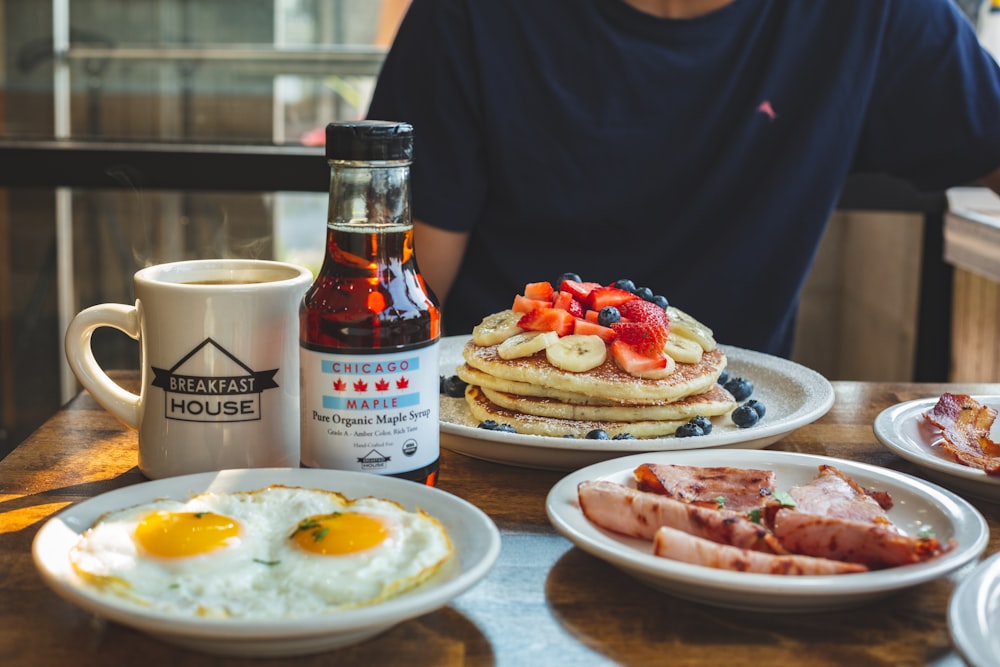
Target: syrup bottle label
x,y
376,413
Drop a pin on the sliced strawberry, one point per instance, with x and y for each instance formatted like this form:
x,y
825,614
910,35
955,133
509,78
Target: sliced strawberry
x,y
578,289
609,296
632,361
548,319
539,291
639,310
567,301
647,339
584,328
523,304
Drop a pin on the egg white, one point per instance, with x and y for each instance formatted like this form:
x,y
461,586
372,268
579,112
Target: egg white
x,y
263,573
416,547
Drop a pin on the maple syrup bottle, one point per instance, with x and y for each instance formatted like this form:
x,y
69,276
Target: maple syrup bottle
x,y
369,327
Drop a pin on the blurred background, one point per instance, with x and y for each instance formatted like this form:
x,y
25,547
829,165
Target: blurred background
x,y
153,130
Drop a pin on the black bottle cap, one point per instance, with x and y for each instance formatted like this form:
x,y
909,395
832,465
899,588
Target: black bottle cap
x,y
369,140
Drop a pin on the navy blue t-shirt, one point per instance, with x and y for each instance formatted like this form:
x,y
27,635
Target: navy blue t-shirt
x,y
701,158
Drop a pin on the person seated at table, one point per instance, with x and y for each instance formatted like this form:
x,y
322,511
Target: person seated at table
x,y
697,147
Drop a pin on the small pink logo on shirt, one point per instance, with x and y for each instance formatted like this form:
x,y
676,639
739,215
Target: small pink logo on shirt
x,y
766,109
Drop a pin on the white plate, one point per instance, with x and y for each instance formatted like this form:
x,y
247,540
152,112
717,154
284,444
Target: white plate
x,y
903,430
792,394
474,535
918,505
974,614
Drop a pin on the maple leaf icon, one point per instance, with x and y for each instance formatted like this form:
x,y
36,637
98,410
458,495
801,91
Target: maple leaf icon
x,y
402,383
381,385
360,385
339,384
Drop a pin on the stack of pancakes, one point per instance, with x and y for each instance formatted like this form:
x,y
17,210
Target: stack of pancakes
x,y
538,398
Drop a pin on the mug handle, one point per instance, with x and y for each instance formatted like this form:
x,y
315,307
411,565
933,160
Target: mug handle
x,y
123,404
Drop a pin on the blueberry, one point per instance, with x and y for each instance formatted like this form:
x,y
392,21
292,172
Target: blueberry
x,y
660,301
598,434
625,284
644,293
740,388
688,430
570,436
453,386
492,425
608,316
568,276
624,436
757,406
704,422
745,416
723,378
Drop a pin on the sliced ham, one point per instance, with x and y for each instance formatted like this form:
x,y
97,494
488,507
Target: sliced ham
x,y
876,546
679,545
834,527
832,493
736,489
636,513
836,518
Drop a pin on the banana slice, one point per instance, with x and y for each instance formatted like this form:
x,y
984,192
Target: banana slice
x,y
684,325
496,328
526,344
577,353
684,350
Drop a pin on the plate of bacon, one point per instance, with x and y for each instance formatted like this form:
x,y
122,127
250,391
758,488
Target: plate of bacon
x,y
951,437
766,530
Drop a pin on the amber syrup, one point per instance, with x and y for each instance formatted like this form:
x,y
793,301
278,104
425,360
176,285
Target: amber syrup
x,y
369,301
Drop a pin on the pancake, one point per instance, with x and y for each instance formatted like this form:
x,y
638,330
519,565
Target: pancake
x,y
482,409
606,381
475,376
716,401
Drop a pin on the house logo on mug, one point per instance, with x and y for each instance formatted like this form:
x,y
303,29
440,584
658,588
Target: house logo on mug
x,y
194,396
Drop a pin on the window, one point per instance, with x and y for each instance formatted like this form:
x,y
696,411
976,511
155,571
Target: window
x,y
208,75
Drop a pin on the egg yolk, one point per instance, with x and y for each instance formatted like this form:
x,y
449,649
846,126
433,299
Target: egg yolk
x,y
340,533
179,534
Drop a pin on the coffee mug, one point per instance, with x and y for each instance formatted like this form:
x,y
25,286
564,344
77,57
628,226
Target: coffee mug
x,y
219,364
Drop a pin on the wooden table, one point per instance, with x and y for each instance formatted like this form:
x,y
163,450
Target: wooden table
x,y
544,603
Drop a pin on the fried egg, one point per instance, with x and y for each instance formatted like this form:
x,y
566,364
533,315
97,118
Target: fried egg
x,y
276,552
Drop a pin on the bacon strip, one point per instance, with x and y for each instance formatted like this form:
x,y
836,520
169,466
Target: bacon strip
x,y
965,428
741,489
678,545
629,511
